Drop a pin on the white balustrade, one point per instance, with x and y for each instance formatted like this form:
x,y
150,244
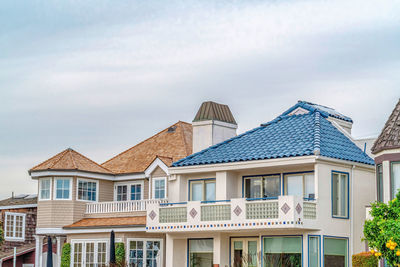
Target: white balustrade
x,y
121,206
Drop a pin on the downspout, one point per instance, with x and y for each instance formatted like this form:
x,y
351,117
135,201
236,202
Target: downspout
x,y
352,212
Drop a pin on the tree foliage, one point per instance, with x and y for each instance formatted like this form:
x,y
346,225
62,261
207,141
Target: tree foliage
x,y
364,259
383,231
120,254
66,255
1,234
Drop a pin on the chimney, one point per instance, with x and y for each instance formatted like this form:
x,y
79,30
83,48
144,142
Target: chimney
x,y
214,123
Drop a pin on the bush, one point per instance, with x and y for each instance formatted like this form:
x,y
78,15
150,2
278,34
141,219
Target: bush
x,y
120,254
1,234
66,255
364,259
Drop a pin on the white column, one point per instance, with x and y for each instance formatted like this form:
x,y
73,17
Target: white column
x,y
38,250
60,243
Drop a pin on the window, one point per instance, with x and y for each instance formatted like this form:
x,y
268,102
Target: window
x,y
122,192
146,253
314,251
201,252
302,185
159,188
136,192
379,182
63,188
89,253
335,252
14,226
202,190
262,186
87,190
340,195
395,178
45,189
282,251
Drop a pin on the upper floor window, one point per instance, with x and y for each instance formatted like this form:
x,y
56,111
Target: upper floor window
x,y
159,188
14,226
129,192
262,186
122,192
300,184
379,182
63,188
136,192
45,189
340,194
395,178
87,190
202,190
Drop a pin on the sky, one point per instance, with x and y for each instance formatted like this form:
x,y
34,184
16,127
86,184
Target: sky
x,y
100,76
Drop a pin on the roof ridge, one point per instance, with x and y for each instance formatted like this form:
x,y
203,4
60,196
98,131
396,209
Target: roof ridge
x,y
94,162
317,133
126,150
48,159
72,158
59,159
184,139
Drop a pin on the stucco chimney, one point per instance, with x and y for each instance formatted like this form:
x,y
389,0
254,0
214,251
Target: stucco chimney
x,y
214,123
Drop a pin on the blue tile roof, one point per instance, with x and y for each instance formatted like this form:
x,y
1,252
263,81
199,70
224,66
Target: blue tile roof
x,y
327,111
285,136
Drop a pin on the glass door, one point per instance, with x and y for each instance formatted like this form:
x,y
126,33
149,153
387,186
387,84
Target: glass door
x,y
245,252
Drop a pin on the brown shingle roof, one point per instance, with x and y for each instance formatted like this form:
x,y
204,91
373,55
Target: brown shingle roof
x,y
390,135
213,111
69,159
169,145
105,222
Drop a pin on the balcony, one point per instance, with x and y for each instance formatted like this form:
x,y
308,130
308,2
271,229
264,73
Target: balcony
x,y
114,207
282,212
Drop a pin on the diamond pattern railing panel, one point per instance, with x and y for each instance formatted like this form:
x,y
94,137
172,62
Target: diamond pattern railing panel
x,y
216,213
262,210
173,215
310,210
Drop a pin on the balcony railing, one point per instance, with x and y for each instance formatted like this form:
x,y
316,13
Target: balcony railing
x,y
121,206
284,211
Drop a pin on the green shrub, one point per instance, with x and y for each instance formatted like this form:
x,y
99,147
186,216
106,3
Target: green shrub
x,y
66,255
120,254
1,234
364,259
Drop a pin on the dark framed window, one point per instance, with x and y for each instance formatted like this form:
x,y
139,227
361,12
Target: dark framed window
x,y
379,182
262,186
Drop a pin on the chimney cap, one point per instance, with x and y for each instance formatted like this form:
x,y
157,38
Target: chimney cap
x,y
210,110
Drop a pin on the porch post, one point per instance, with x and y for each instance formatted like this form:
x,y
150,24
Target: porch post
x,y
60,243
38,250
221,250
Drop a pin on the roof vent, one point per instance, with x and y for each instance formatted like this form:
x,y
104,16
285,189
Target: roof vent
x,y
171,129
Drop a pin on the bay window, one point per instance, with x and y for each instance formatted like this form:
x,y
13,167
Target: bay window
x,y
340,195
300,184
201,252
14,226
202,190
262,186
87,190
395,178
63,188
45,189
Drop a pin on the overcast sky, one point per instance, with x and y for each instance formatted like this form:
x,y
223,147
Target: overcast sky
x,y
99,76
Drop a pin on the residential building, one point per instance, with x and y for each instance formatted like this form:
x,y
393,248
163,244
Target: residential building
x,y
291,192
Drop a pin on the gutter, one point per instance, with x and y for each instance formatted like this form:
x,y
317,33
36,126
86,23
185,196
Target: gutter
x,y
18,207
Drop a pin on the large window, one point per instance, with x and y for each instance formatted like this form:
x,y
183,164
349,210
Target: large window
x,y
14,226
262,186
379,182
63,188
335,252
340,195
395,178
302,184
89,253
201,252
282,251
144,253
159,188
45,189
202,190
128,192
314,254
87,190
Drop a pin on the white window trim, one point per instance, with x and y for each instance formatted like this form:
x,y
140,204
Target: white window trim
x,y
40,189
127,251
96,244
153,186
128,184
342,194
12,238
55,187
303,182
87,180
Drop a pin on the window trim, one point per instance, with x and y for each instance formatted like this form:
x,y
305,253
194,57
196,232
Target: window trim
x,y
13,238
203,181
128,240
284,187
261,175
87,180
55,187
96,242
335,237
348,195
153,186
391,178
379,189
129,185
319,249
50,188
